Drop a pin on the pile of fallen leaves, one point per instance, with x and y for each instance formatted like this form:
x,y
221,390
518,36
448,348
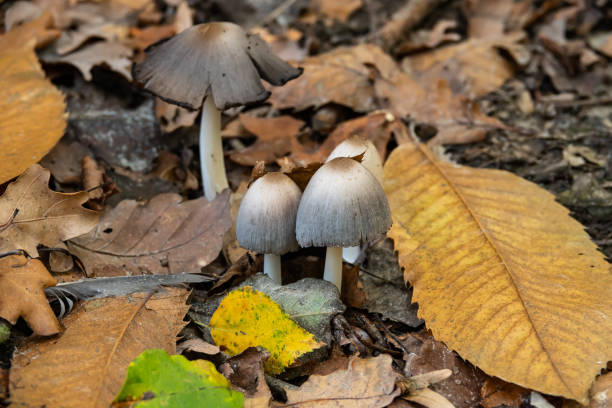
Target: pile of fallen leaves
x,y
485,292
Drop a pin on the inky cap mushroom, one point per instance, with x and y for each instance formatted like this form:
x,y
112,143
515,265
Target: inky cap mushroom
x,y
218,59
356,145
266,218
342,205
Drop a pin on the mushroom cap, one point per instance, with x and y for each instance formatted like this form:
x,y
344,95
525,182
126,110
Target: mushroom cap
x,y
343,205
214,58
356,145
266,218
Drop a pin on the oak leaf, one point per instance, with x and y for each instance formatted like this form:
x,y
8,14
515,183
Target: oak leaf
x,y
86,366
22,283
167,235
32,117
32,214
366,383
501,272
249,318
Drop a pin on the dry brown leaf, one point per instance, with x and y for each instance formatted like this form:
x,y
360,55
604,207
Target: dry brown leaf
x,y
376,127
32,214
428,355
425,39
487,19
496,393
284,44
276,137
353,294
197,345
22,284
457,118
64,162
342,76
110,32
429,399
366,383
112,55
39,30
602,42
32,117
474,66
20,12
167,235
339,10
601,393
501,272
246,373
85,366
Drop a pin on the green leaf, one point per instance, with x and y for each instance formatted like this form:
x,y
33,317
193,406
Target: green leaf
x,y
155,379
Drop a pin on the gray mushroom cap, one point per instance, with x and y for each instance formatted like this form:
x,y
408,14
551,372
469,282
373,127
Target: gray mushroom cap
x,y
343,205
356,145
266,218
218,59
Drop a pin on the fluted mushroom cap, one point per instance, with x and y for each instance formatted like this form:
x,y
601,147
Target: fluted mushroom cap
x,y
218,59
342,206
356,145
266,218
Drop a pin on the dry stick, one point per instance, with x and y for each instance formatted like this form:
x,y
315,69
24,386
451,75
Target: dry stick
x,y
403,20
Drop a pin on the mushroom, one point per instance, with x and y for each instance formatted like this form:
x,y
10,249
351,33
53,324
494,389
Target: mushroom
x,y
266,220
218,65
343,205
351,147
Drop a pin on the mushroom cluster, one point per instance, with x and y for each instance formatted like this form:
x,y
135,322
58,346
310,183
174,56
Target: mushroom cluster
x,y
217,65
343,205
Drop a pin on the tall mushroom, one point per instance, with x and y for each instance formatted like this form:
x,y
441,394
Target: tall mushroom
x,y
351,147
266,220
218,65
343,205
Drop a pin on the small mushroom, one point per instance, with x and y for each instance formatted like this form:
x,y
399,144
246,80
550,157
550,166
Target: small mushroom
x,y
343,205
218,65
351,147
266,220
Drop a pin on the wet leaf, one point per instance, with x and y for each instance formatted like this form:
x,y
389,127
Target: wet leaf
x,y
86,366
32,214
366,383
167,235
22,283
248,318
32,117
501,272
155,379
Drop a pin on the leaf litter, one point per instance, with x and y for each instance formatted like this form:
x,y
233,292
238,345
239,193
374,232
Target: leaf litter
x,y
521,84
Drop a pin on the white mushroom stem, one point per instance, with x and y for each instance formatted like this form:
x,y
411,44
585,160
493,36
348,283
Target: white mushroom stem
x,y
272,267
351,254
211,151
333,266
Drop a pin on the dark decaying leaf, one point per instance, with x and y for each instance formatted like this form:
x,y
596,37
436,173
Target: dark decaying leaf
x,y
167,235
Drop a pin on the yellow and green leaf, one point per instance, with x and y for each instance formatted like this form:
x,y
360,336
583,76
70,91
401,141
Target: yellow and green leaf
x,y
248,318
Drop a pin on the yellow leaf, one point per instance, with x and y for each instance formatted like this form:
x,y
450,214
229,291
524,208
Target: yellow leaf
x,y
501,272
249,318
32,117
